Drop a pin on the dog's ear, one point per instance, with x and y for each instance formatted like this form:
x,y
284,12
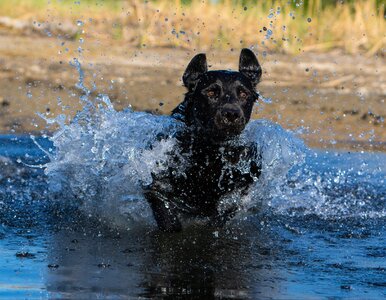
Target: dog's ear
x,y
249,66
196,67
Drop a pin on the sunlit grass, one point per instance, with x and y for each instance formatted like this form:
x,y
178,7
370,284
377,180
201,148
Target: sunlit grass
x,y
281,25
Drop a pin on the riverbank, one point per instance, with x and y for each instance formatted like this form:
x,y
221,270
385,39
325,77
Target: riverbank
x,y
330,99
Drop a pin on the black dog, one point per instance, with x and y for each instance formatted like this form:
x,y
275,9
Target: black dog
x,y
216,109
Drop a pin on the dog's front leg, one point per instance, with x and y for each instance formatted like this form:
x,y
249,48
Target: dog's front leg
x,y
164,212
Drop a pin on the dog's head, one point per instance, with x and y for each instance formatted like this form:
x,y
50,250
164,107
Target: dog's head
x,y
220,103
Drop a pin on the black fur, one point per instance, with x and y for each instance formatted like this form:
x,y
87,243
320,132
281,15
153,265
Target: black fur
x,y
216,109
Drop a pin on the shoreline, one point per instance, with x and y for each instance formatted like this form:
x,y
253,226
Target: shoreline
x,y
334,100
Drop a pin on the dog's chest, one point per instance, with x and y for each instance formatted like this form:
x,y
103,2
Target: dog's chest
x,y
220,166
215,171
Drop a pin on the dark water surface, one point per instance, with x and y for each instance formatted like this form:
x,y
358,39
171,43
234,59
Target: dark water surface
x,y
303,248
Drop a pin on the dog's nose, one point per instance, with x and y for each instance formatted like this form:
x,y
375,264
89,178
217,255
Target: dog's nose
x,y
231,114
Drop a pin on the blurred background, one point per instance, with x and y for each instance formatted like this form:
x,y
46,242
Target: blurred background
x,y
324,71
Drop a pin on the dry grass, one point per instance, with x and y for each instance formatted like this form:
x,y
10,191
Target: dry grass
x,y
357,26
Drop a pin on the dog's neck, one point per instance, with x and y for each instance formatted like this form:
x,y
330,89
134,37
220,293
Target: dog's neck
x,y
196,138
201,136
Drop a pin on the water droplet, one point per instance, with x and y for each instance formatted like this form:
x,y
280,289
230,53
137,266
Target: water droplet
x,y
266,100
309,20
269,33
79,23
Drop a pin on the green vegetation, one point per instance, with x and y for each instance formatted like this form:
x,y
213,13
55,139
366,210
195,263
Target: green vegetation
x,y
280,25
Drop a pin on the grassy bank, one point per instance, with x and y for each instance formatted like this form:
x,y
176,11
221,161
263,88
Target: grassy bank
x,y
281,25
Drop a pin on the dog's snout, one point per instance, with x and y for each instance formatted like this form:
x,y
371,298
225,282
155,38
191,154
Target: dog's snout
x,y
231,115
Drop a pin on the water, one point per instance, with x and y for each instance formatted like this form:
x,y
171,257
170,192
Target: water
x,y
74,223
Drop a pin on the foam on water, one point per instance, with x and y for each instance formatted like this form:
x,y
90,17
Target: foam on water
x,y
335,185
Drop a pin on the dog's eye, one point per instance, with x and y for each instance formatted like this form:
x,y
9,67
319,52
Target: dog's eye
x,y
211,93
243,95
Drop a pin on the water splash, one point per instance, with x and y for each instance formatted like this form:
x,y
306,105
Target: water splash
x,y
104,158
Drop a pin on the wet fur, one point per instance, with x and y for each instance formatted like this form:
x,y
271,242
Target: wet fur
x,y
216,109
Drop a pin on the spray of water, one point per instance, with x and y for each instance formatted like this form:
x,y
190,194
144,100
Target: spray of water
x,y
104,157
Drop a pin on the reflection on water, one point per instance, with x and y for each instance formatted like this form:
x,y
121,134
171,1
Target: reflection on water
x,y
150,264
282,258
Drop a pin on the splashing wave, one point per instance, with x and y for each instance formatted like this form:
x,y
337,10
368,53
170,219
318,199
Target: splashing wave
x,y
104,157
